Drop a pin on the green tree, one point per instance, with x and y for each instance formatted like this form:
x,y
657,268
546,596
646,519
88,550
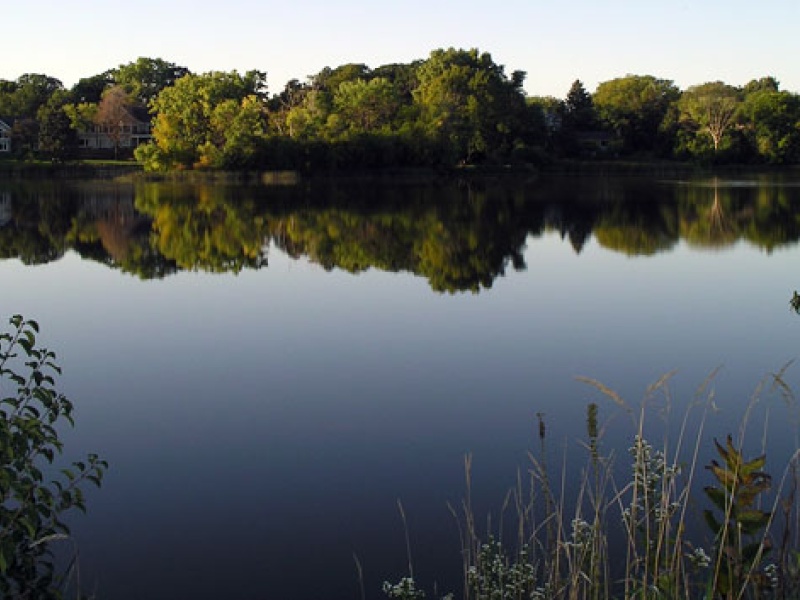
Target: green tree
x,y
57,139
22,98
188,129
772,121
146,77
307,120
469,105
546,116
403,76
280,105
710,110
366,106
237,129
764,84
20,101
579,110
33,498
81,115
90,89
578,117
636,107
329,79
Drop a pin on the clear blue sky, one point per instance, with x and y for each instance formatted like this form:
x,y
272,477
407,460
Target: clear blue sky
x,y
689,42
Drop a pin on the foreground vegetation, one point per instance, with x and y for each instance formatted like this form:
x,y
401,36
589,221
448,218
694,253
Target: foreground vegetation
x,y
35,493
455,107
626,533
633,533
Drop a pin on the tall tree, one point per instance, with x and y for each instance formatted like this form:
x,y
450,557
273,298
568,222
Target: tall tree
x,y
771,119
365,106
579,111
90,89
281,104
22,98
199,119
307,119
329,79
114,115
146,77
57,139
710,109
468,103
635,107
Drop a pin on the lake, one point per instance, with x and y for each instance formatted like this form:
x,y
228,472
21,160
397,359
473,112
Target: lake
x,y
270,369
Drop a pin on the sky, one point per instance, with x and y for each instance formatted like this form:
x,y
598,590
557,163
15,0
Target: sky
x,y
555,43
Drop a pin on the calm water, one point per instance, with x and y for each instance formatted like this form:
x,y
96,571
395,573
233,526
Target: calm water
x,y
269,369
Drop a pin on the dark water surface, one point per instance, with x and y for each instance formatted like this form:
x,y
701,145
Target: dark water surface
x,y
269,369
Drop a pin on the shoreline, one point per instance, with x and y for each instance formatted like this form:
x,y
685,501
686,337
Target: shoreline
x,y
12,169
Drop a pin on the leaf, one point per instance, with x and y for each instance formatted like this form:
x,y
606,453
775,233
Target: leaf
x,y
733,456
718,497
754,465
724,476
751,521
723,453
712,522
750,553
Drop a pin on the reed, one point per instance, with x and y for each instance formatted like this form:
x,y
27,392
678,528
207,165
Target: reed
x,y
632,531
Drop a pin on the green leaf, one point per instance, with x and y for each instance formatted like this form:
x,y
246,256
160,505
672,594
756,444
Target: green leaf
x,y
724,476
712,522
718,497
754,465
752,521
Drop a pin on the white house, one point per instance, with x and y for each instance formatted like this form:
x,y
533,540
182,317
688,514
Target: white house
x,y
5,137
132,130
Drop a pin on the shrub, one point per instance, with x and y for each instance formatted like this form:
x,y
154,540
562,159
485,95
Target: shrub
x,y
34,493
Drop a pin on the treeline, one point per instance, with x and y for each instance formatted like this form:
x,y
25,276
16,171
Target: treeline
x,y
457,107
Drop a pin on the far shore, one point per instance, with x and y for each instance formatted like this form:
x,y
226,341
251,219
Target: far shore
x,y
112,169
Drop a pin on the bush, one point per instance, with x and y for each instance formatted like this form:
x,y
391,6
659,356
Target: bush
x,y
34,493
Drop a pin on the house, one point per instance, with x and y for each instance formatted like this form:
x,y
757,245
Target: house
x,y
5,138
132,129
597,143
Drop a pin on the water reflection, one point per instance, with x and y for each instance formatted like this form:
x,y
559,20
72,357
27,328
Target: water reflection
x,y
459,236
794,303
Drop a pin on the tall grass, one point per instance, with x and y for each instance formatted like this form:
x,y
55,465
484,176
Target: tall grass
x,y
634,530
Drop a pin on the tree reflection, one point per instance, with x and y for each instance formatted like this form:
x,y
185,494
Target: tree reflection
x,y
713,222
460,236
794,303
203,228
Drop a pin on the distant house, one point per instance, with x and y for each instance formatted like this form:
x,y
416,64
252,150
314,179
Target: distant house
x,y
133,129
596,143
5,137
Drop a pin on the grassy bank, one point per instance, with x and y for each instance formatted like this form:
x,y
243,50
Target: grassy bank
x,y
69,169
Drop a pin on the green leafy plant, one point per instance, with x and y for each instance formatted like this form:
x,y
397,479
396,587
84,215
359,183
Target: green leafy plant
x,y
34,493
740,526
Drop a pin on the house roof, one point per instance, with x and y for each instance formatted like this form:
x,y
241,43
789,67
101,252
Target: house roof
x,y
141,113
5,124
